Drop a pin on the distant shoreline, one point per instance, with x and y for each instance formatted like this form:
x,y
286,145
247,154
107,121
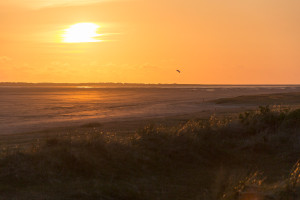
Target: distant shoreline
x,y
27,84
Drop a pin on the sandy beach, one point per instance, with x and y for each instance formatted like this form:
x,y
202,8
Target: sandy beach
x,y
34,113
29,109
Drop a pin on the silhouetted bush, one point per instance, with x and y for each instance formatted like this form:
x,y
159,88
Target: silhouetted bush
x,y
270,119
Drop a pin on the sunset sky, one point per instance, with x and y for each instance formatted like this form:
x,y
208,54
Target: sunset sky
x,y
146,41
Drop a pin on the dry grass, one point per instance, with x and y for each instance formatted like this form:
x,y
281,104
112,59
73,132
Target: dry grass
x,y
204,159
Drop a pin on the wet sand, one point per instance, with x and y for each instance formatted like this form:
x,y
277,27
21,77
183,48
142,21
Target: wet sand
x,y
31,109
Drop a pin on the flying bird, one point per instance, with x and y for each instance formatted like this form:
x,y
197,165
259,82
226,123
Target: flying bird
x,y
178,70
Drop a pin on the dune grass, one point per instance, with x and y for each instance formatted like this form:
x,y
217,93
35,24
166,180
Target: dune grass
x,y
227,158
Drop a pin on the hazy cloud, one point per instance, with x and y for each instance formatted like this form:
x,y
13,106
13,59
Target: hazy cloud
x,y
4,59
148,66
60,64
36,4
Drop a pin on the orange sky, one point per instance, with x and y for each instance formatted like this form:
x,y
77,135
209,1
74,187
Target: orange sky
x,y
145,41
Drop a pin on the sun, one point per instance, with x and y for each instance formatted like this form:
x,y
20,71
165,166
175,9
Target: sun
x,y
81,32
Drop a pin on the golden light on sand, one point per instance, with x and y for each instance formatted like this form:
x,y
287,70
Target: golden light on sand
x,y
81,32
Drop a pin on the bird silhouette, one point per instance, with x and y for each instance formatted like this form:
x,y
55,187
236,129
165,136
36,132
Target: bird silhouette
x,y
178,70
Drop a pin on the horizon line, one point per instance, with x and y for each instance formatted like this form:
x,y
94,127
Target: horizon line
x,y
132,83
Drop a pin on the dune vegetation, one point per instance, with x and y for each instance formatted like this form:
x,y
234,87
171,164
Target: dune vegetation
x,y
253,155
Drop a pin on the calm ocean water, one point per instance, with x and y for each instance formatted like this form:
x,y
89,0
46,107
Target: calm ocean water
x,y
24,108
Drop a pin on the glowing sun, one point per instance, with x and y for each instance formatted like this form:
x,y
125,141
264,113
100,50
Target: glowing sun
x,y
81,32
